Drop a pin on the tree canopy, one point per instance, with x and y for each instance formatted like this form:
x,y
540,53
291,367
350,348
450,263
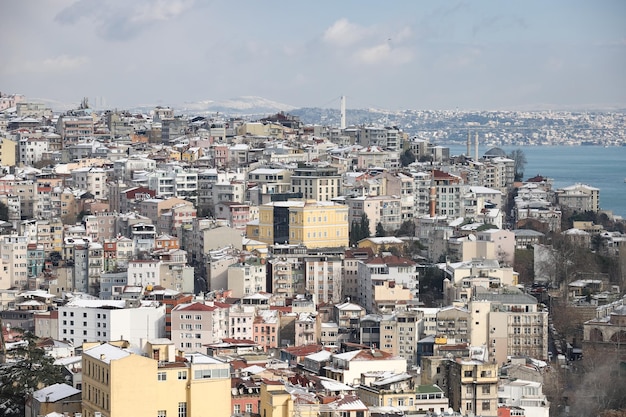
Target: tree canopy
x,y
520,163
359,230
32,370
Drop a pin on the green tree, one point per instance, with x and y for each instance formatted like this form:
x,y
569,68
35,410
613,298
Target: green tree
x,y
407,228
32,370
520,163
359,230
407,158
4,212
380,230
365,226
355,232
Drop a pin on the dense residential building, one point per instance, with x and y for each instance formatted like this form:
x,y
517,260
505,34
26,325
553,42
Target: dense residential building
x,y
85,320
579,197
471,384
114,378
14,252
196,324
316,182
399,333
314,224
509,323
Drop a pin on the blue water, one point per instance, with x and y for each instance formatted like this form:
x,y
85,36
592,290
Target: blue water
x,y
603,168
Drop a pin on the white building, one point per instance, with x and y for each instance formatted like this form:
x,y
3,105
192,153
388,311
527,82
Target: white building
x,y
241,319
92,180
197,324
144,272
83,320
14,271
247,277
525,394
31,150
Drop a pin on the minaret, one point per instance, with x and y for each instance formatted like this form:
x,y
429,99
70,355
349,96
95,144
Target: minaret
x,y
432,203
343,112
476,148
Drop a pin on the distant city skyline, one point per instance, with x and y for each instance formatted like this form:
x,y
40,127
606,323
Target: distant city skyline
x,y
483,55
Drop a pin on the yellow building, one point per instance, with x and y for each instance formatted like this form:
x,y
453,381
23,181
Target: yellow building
x,y
117,382
261,129
382,244
7,152
314,224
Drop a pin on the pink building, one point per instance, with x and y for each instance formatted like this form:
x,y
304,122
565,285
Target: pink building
x,y
265,331
236,214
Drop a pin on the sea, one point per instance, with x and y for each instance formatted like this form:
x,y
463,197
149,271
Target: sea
x,y
597,166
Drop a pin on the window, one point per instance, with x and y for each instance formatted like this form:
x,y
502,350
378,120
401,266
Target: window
x,y
486,389
486,405
161,413
182,375
182,409
161,376
249,408
237,409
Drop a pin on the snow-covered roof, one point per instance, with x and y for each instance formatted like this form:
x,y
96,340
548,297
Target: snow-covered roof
x,y
106,353
54,393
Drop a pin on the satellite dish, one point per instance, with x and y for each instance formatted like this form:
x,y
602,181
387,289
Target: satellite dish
x,y
450,410
234,391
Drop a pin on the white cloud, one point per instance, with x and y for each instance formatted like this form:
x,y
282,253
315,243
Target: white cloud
x,y
60,63
120,20
343,33
160,10
384,53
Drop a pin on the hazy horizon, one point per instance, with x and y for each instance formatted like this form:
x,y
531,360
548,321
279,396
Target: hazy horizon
x,y
483,55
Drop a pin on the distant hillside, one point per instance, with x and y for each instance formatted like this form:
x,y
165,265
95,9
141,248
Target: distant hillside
x,y
247,105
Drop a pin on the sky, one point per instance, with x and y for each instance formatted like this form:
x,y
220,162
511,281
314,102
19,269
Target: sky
x,y
396,55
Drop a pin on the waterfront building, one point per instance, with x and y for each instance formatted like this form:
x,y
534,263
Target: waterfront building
x,y
579,197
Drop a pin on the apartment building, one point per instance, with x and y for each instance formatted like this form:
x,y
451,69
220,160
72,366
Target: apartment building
x,y
196,324
322,275
509,323
117,382
92,180
320,183
92,320
14,252
399,333
386,210
314,224
266,329
74,129
248,276
380,269
579,197
348,367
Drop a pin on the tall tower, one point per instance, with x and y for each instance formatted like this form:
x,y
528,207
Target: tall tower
x,y
432,196
476,147
343,112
